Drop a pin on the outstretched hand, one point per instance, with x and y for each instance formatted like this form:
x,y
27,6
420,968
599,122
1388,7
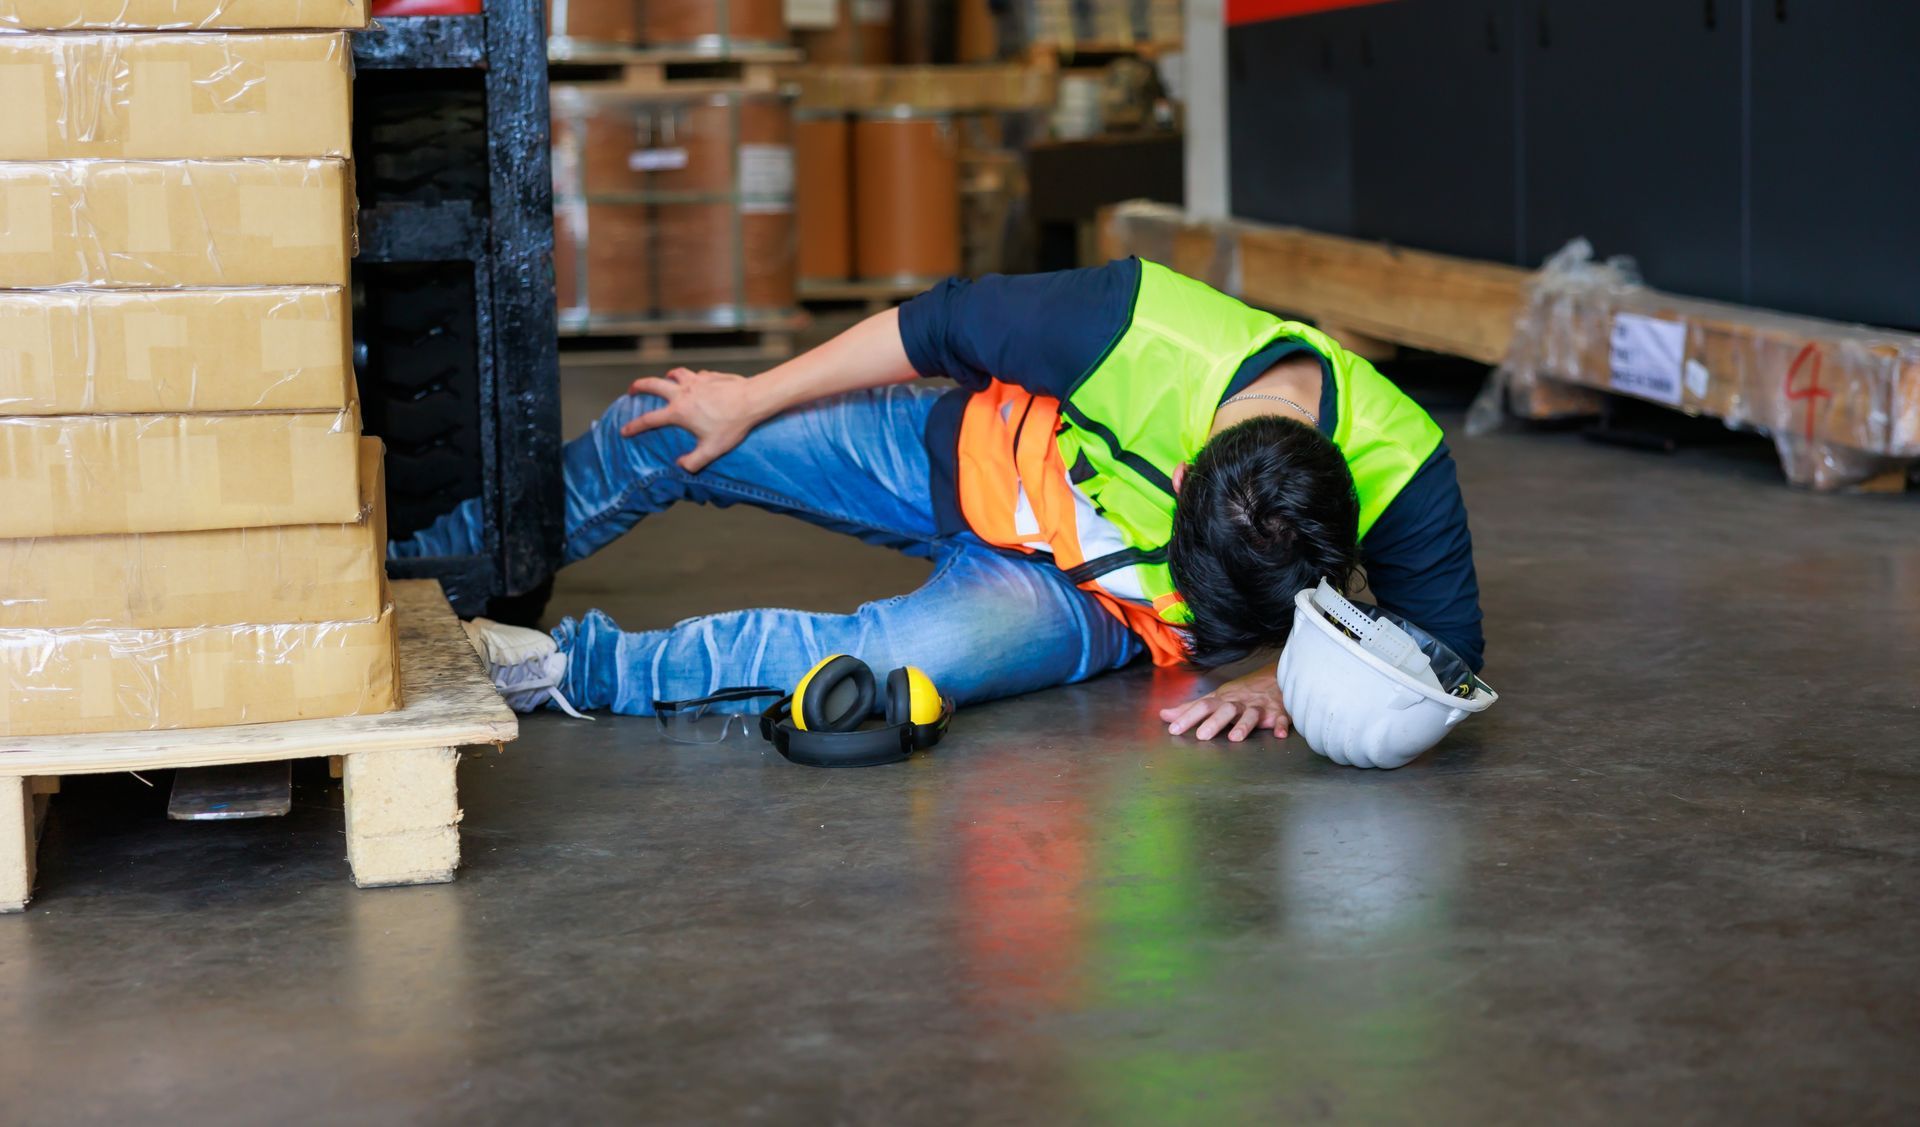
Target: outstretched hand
x,y
1239,708
717,408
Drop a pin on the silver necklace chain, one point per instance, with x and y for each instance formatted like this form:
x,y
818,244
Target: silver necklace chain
x,y
1311,417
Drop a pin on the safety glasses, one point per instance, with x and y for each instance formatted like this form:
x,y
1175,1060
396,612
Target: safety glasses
x,y
709,719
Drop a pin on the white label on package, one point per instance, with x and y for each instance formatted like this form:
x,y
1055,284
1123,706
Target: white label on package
x,y
766,179
1697,377
657,160
869,13
1647,353
810,14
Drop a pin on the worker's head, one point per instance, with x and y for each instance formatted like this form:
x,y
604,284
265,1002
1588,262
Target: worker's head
x,y
1266,508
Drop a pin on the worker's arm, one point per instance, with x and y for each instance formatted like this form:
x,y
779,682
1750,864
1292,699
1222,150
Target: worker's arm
x,y
719,408
1043,332
1419,559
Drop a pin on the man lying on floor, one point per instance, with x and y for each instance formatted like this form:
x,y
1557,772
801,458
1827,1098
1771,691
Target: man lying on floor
x,y
1132,464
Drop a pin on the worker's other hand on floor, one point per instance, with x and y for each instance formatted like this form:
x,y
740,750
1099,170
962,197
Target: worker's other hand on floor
x,y
1239,708
717,408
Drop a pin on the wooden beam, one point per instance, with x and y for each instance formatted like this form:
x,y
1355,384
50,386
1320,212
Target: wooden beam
x,y
1370,295
1422,300
1840,399
1414,298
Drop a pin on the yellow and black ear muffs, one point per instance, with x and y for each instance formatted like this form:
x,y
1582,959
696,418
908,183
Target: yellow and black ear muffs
x,y
819,725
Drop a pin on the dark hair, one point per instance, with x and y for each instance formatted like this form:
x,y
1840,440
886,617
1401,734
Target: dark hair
x,y
1267,508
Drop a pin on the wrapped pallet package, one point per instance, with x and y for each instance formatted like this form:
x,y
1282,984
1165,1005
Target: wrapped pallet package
x,y
158,97
182,15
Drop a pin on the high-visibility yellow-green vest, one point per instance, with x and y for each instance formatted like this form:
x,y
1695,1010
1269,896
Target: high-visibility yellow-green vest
x,y
1148,404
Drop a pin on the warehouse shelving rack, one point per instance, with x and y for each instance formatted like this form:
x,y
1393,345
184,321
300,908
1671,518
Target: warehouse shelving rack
x,y
454,296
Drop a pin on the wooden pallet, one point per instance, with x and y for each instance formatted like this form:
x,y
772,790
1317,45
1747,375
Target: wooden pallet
x,y
643,71
663,341
402,813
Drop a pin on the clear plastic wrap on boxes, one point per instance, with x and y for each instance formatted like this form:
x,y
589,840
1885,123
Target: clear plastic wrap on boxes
x,y
163,97
1841,402
181,15
75,352
166,580
85,475
114,223
75,680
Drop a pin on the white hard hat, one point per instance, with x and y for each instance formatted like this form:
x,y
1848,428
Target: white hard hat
x,y
1366,688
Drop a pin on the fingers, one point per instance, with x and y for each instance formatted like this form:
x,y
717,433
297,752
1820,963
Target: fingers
x,y
709,448
640,424
697,459
1213,716
1213,725
1187,715
654,385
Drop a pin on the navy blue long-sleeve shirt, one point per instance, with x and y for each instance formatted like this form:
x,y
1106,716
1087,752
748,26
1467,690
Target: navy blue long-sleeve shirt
x,y
1045,331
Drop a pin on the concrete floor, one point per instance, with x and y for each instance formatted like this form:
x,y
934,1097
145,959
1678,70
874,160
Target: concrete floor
x,y
1672,877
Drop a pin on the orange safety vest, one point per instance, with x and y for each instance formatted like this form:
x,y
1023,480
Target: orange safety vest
x,y
1007,451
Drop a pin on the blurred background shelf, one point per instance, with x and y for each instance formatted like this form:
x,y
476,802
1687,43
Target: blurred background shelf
x,y
736,155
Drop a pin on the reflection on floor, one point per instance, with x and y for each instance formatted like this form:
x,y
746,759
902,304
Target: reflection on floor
x,y
1673,875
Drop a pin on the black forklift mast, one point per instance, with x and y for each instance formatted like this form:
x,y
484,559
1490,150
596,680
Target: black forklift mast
x,y
453,292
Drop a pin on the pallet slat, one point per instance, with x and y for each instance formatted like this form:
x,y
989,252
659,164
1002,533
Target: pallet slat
x,y
400,767
653,341
970,87
644,71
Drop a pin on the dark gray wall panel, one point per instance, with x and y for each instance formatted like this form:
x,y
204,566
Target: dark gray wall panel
x,y
1761,151
1631,126
1290,120
1434,124
1836,158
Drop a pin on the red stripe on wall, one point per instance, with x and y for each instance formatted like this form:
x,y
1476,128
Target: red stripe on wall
x,y
1259,11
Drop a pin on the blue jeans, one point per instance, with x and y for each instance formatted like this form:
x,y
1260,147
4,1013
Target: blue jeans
x,y
986,625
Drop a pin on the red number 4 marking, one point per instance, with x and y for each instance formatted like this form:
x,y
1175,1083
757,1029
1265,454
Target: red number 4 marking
x,y
1811,390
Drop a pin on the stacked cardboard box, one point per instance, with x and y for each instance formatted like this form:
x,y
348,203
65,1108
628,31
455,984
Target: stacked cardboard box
x,y
191,525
